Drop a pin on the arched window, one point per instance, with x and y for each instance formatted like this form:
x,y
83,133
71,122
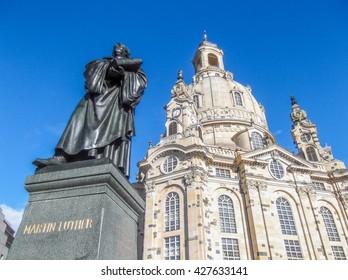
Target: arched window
x,y
238,99
311,154
286,219
173,128
226,214
329,224
172,212
256,140
213,60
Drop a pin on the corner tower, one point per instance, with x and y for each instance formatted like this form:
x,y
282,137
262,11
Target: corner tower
x,y
305,136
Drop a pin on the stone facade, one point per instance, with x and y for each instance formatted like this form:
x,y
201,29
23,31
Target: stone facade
x,y
217,185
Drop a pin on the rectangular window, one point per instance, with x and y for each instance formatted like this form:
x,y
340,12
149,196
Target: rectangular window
x,y
238,99
230,249
293,249
338,253
319,186
196,100
225,173
172,248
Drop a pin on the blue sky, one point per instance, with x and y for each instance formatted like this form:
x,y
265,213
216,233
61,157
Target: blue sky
x,y
279,48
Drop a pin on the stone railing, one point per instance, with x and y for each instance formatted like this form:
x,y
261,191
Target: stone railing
x,y
229,114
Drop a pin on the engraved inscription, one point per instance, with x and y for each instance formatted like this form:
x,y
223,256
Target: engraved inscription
x,y
64,226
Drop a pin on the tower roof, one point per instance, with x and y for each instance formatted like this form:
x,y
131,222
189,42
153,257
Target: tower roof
x,y
205,41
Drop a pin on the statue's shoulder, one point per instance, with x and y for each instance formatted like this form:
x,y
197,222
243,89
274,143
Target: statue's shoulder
x,y
96,67
103,61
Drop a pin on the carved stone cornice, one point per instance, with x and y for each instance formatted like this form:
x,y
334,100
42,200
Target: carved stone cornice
x,y
321,177
339,175
221,151
293,168
144,166
229,165
167,152
278,153
251,162
233,115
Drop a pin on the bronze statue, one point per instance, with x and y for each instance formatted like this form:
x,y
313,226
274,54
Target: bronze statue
x,y
102,125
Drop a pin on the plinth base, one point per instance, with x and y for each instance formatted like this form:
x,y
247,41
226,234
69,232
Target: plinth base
x,y
84,210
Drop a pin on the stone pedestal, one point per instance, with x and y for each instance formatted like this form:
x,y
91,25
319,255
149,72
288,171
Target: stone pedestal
x,y
86,210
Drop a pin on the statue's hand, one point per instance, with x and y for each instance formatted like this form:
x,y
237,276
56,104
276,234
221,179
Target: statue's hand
x,y
116,72
120,70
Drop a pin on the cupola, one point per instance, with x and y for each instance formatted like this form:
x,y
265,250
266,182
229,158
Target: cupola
x,y
208,57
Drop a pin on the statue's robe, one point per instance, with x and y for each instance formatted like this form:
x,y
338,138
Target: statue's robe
x,y
104,119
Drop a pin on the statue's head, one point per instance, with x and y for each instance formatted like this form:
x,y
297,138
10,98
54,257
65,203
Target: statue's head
x,y
121,50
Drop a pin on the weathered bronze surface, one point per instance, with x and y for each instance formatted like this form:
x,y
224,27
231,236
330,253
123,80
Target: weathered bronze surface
x,y
102,124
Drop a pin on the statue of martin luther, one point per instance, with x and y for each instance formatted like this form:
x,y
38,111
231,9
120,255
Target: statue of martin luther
x,y
102,124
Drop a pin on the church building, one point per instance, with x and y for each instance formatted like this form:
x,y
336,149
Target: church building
x,y
217,186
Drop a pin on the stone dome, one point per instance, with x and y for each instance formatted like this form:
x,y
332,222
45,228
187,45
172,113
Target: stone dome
x,y
227,110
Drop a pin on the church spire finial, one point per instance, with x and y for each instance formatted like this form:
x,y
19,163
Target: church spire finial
x,y
293,100
205,36
180,76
